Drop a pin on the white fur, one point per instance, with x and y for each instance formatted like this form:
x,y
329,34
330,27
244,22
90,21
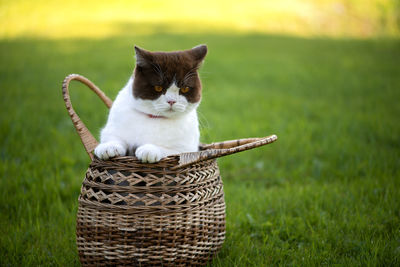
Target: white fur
x,y
129,128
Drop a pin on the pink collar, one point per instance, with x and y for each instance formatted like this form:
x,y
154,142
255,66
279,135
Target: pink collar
x,y
151,116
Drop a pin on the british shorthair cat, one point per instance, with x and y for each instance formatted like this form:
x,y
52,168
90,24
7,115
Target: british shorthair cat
x,y
154,115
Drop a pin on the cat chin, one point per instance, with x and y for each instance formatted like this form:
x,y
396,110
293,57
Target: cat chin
x,y
170,114
173,114
177,112
145,107
156,114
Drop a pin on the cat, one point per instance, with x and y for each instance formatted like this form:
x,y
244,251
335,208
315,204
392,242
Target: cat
x,y
155,114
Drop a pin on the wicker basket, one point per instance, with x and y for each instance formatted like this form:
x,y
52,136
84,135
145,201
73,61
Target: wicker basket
x,y
170,213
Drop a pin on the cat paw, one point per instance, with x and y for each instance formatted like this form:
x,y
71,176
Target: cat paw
x,y
149,153
108,150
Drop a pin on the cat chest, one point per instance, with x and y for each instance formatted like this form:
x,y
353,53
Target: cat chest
x,y
159,130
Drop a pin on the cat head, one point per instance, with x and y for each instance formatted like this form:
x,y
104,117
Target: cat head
x,y
167,83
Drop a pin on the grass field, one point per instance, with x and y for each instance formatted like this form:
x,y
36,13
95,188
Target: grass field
x,y
326,193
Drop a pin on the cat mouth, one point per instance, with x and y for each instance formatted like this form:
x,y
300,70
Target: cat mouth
x,y
170,110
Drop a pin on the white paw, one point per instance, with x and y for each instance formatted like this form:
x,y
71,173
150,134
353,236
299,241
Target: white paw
x,y
108,150
149,153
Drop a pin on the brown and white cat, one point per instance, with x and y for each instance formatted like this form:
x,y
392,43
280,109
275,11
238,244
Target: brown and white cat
x,y
154,115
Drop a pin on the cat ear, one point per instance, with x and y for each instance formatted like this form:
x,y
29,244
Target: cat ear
x,y
143,57
198,53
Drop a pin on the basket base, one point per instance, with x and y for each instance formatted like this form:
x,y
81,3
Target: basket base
x,y
179,239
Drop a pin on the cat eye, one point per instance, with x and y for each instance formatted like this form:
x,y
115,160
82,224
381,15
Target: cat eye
x,y
158,88
185,89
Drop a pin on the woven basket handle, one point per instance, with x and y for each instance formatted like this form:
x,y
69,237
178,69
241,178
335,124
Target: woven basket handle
x,y
88,140
216,150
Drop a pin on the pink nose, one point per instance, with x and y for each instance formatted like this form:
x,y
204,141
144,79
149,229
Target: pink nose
x,y
171,102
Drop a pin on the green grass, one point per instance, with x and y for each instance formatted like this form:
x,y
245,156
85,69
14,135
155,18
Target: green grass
x,y
326,193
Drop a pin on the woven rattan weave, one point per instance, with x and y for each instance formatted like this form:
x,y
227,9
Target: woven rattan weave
x,y
170,213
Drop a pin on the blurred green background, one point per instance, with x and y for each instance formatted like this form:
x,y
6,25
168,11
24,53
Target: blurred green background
x,y
322,75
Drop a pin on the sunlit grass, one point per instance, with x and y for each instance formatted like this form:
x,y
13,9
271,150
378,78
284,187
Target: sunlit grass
x,y
64,19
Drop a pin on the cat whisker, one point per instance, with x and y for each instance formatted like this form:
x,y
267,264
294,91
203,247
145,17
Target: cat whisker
x,y
190,73
179,108
162,107
158,70
203,122
188,76
179,105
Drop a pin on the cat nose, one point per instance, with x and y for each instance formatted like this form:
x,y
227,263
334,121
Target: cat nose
x,y
171,102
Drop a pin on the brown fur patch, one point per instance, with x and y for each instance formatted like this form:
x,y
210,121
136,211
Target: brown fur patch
x,y
164,68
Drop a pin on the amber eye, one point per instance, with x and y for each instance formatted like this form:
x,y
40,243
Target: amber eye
x,y
158,88
185,89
